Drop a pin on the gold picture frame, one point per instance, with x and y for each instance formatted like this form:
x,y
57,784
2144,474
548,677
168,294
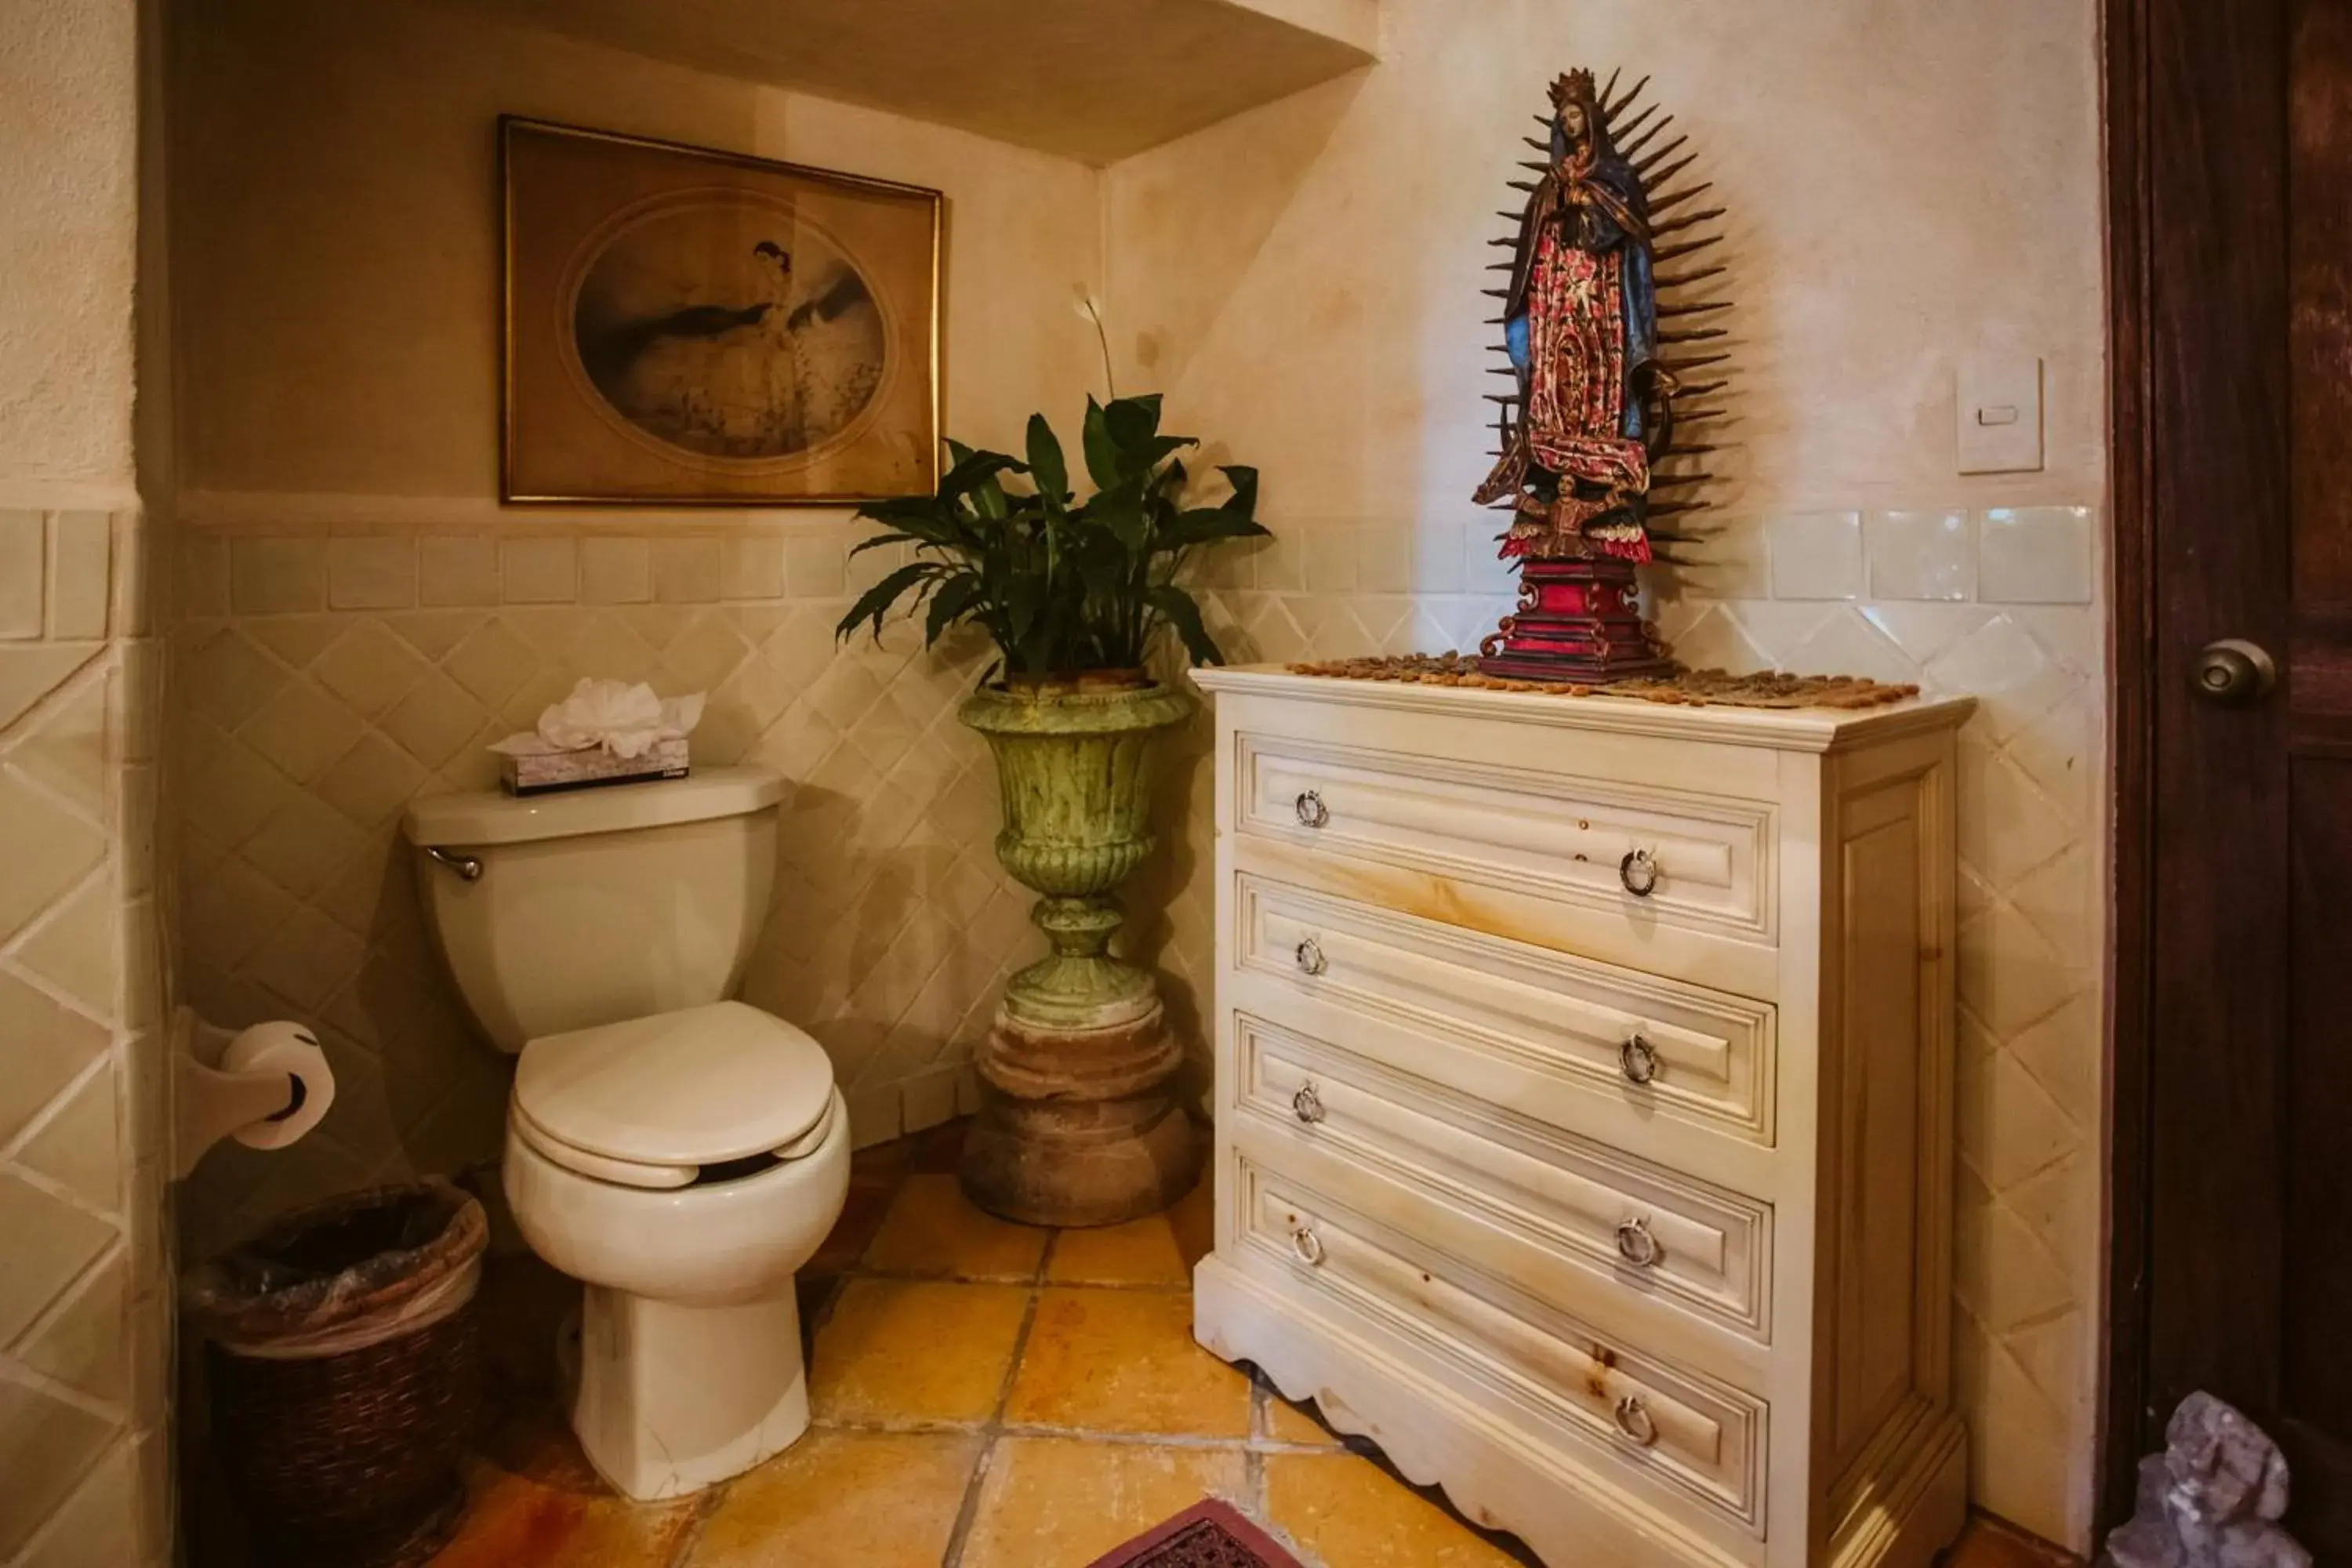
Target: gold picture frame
x,y
685,327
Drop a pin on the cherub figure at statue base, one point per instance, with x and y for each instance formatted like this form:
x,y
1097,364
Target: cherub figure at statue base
x,y
1580,614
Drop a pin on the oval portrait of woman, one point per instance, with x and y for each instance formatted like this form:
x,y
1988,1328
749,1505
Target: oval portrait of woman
x,y
729,329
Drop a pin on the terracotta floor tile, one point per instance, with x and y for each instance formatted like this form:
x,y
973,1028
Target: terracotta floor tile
x,y
861,1215
877,1499
937,1149
933,1228
1987,1545
1059,1502
1140,1252
533,1500
1124,1361
1194,1219
902,1349
1343,1510
1288,1423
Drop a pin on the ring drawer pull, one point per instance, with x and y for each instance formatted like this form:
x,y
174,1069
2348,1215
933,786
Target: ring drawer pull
x,y
1307,1105
1636,1245
1638,1059
1310,957
1312,812
1639,872
1634,1419
1308,1245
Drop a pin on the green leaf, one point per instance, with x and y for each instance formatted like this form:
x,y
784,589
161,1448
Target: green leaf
x,y
1132,421
879,540
875,602
1047,463
1176,606
1243,501
949,606
1102,452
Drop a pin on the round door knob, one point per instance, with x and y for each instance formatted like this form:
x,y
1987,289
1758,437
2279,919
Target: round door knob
x,y
2234,672
1310,957
1639,872
1638,1059
1308,1244
1312,812
1636,1245
1306,1105
1634,1419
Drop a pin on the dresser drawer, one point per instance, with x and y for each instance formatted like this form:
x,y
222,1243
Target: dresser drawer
x,y
1702,1439
1661,1046
1705,863
1573,1220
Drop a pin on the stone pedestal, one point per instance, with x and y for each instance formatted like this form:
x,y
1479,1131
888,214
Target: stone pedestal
x,y
1078,1123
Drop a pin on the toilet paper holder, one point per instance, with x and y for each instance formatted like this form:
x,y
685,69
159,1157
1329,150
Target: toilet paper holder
x,y
266,1086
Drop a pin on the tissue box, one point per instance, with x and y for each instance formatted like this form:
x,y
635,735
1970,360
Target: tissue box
x,y
591,769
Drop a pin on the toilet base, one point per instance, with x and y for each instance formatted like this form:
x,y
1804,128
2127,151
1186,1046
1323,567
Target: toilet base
x,y
671,1399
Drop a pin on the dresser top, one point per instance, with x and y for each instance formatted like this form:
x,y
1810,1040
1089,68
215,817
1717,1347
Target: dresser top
x,y
1778,729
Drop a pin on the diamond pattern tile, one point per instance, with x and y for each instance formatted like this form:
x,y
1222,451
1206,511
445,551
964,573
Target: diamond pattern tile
x,y
75,848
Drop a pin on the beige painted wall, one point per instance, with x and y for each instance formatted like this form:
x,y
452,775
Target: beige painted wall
x,y
85,1303
362,617
1907,181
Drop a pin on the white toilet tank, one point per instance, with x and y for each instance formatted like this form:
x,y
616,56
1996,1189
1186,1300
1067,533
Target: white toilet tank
x,y
566,912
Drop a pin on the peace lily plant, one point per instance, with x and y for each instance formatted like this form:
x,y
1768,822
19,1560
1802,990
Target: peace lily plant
x,y
1078,1124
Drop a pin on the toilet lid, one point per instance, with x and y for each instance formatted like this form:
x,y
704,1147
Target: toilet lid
x,y
684,1090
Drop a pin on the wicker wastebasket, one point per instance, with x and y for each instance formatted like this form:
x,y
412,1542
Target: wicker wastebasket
x,y
340,1355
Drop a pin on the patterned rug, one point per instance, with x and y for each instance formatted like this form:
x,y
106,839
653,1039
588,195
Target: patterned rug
x,y
1207,1535
1687,688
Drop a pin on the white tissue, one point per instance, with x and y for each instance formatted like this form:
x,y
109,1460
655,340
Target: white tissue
x,y
282,1050
625,718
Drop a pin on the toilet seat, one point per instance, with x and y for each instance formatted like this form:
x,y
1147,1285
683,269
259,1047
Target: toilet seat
x,y
649,1102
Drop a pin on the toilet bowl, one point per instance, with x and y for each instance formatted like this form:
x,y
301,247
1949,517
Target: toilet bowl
x,y
681,1154
683,1167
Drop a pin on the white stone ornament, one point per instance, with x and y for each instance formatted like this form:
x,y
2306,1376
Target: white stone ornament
x,y
2213,1499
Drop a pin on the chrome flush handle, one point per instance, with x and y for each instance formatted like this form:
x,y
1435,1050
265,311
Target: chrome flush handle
x,y
1312,812
1639,872
468,866
1310,957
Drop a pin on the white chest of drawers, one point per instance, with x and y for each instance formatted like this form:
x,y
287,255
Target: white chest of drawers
x,y
1583,1107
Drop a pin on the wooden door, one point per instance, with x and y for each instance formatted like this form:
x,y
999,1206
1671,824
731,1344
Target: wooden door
x,y
2230,147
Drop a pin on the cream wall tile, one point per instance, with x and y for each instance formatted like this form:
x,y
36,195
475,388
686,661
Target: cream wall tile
x,y
274,576
751,566
1815,554
52,1446
537,570
204,576
81,550
814,565
686,571
2037,555
1921,554
21,574
370,573
49,1243
456,571
615,571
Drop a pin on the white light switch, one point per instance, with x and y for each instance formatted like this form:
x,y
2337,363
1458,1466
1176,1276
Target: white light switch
x,y
2000,407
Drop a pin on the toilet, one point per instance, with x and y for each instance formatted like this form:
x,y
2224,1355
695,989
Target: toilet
x,y
681,1153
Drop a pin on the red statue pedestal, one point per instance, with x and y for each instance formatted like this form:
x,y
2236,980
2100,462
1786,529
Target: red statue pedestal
x,y
1577,621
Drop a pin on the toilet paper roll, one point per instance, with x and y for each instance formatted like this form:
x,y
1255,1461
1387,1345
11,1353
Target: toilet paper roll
x,y
290,1049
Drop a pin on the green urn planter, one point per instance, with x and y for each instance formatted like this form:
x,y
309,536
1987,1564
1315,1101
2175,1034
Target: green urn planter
x,y
1079,1122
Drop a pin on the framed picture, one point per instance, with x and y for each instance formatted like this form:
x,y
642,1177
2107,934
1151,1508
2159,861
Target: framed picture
x,y
692,327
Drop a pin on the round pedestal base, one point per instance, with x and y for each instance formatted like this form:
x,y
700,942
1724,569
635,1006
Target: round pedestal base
x,y
1079,1127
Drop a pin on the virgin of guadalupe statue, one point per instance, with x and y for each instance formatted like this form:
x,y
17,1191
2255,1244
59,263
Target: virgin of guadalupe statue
x,y
1581,323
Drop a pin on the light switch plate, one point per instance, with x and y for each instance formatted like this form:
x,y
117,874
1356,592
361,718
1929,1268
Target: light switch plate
x,y
1999,406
